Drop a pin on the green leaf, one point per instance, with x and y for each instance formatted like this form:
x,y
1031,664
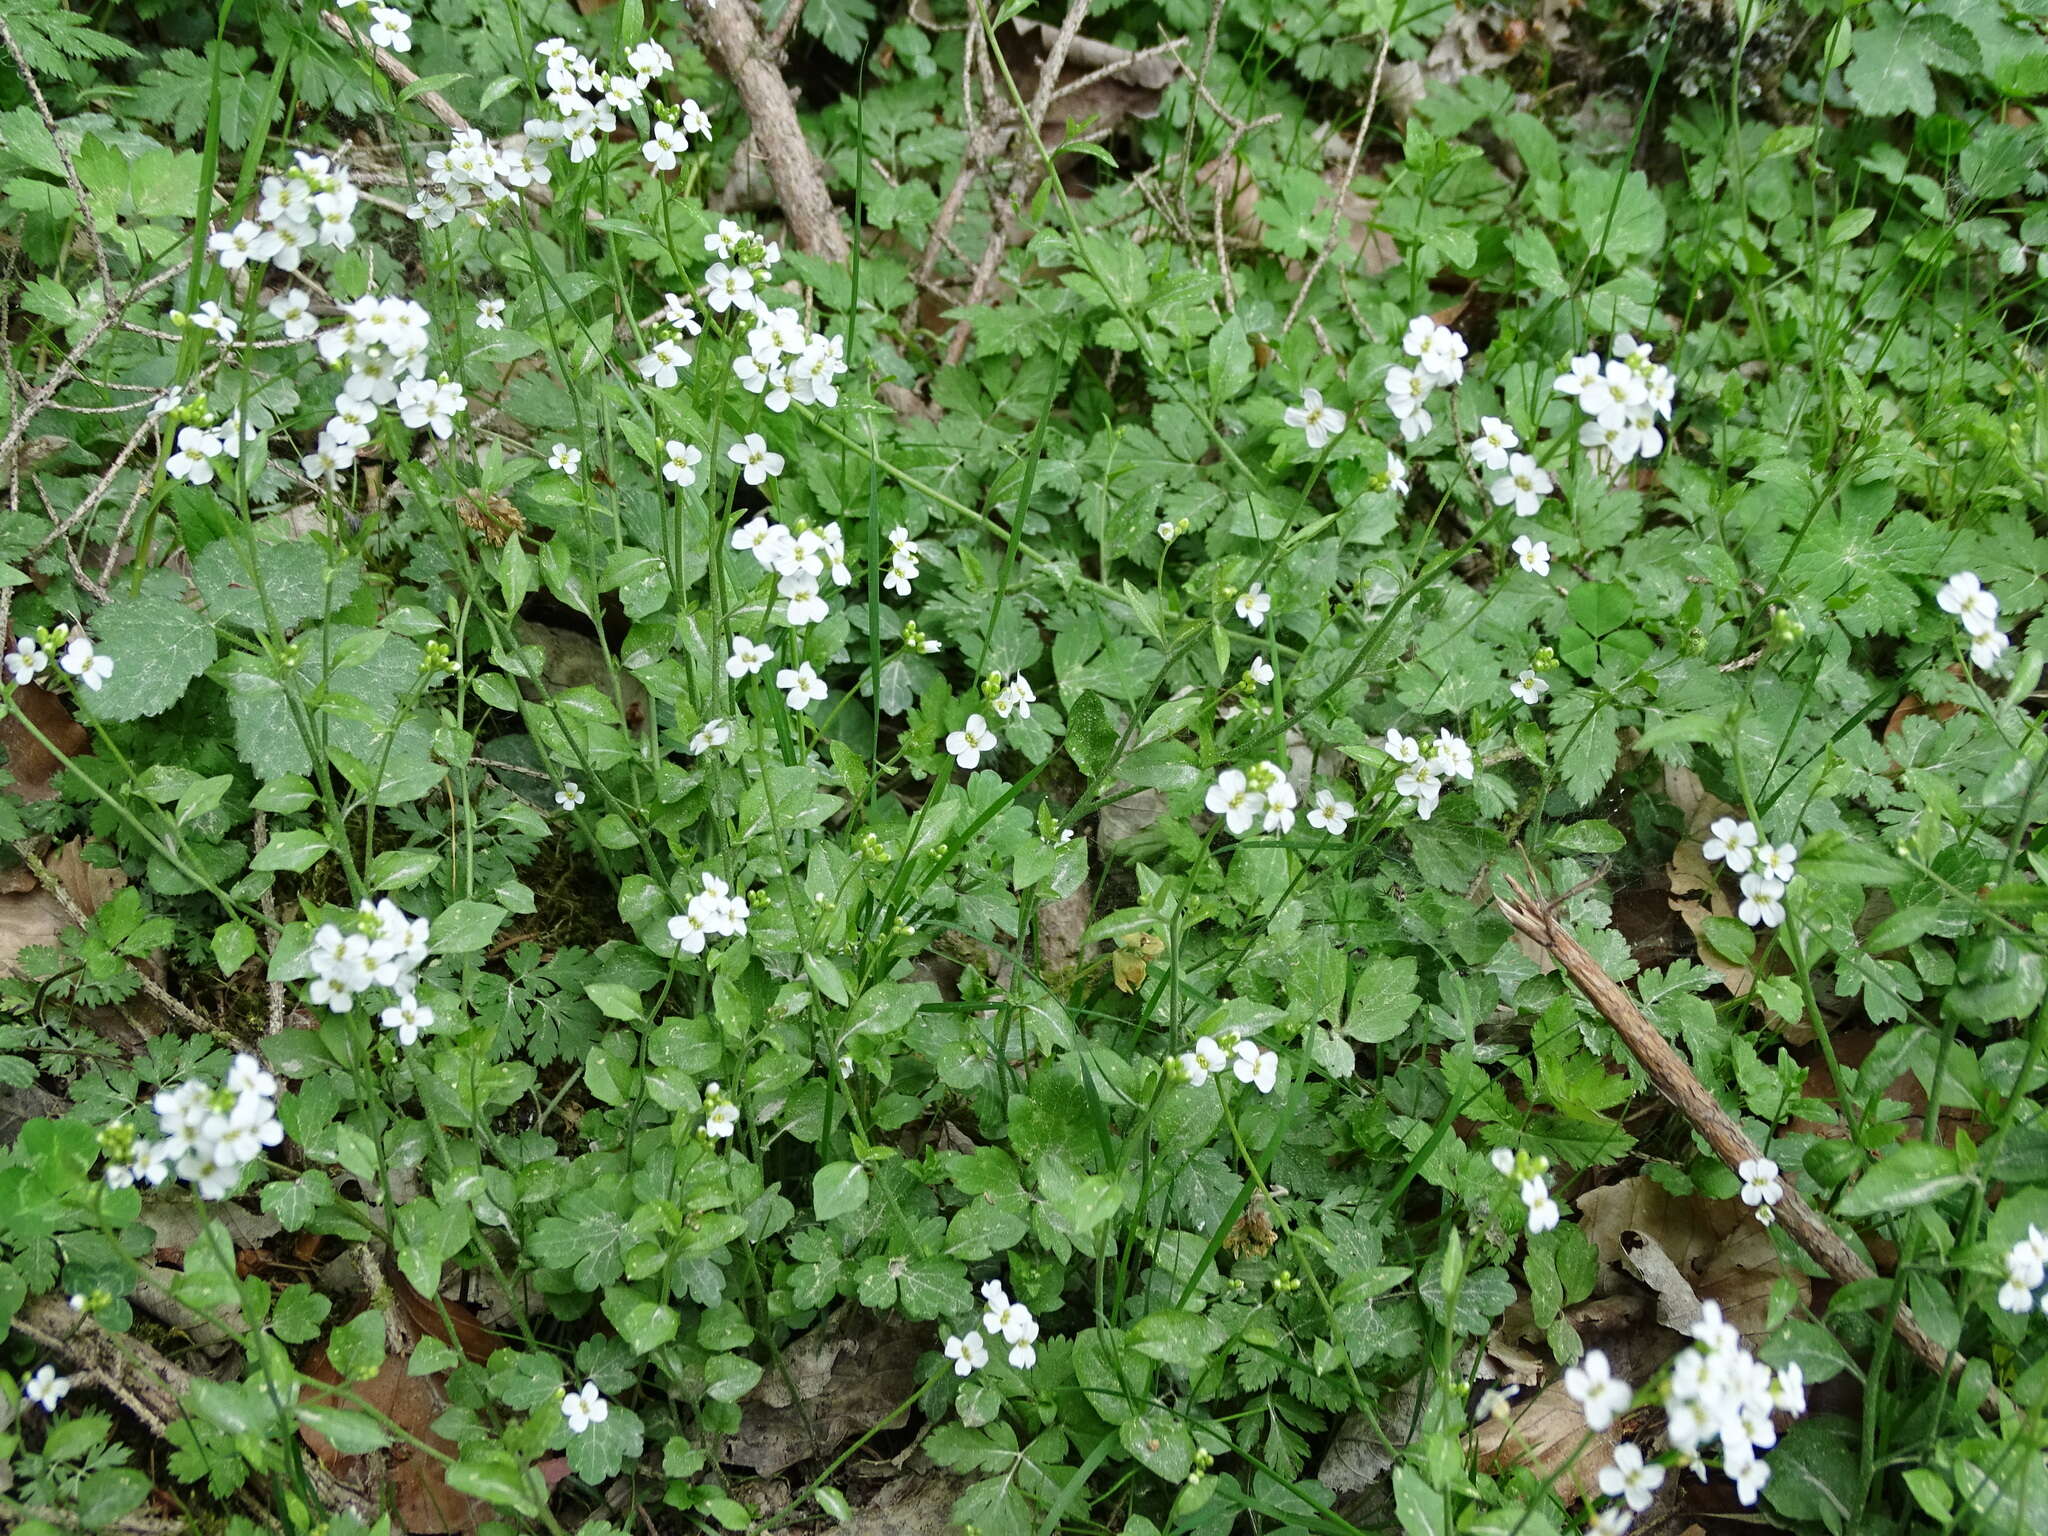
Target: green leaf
x,y
292,575
297,850
600,1451
1185,1339
1888,74
1913,1173
352,1433
496,1478
1091,738
397,868
463,927
644,1325
356,1348
157,646
234,941
1383,999
839,1189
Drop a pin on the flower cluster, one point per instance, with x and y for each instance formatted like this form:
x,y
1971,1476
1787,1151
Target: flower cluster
x,y
1720,1391
1529,1174
585,1407
312,204
1260,794
1761,1190
800,558
1976,609
1439,353
73,652
1247,1061
376,946
903,566
1011,696
1766,868
1424,770
206,1135
382,341
713,913
472,176
1623,396
2026,1266
785,359
1002,1318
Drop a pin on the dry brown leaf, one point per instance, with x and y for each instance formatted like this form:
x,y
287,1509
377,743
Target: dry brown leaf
x,y
31,763
1718,1247
32,918
848,1375
918,1505
410,1482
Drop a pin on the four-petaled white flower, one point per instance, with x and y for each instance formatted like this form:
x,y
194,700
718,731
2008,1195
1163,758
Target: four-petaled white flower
x,y
1523,485
747,658
406,1018
1760,1187
1533,555
1600,1394
1529,686
1496,440
967,1352
585,1407
1763,900
1733,842
46,1388
679,462
1253,604
1631,1479
85,663
569,796
1329,814
568,460
1315,420
490,314
802,685
1260,1068
969,742
758,463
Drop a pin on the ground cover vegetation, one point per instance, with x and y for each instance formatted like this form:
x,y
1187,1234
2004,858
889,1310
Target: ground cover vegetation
x,y
1162,768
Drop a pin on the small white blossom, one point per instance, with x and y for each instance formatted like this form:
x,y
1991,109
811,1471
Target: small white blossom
x,y
1598,1392
1315,420
969,743
585,1407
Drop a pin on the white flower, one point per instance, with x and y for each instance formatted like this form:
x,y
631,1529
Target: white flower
x,y
722,1119
1597,1391
490,314
1329,814
802,684
1496,440
1232,798
584,1408
1779,863
46,1388
569,796
1254,604
757,462
1397,474
1408,390
408,1016
1258,1067
1614,1520
1733,843
1439,351
1204,1061
1503,1160
27,659
747,658
1762,901
967,1352
663,364
1749,1482
680,461
1529,686
1760,1186
248,241
1974,606
390,28
293,309
1523,486
1167,531
1631,1479
1317,421
1985,650
968,743
661,150
83,662
729,288
193,461
693,119
568,460
1533,554
712,733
